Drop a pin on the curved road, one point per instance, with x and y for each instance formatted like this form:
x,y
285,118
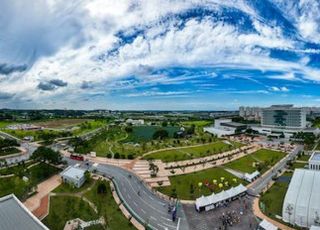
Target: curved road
x,y
140,201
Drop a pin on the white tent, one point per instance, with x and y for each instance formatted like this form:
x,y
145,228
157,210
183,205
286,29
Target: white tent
x,y
252,176
266,225
302,201
220,197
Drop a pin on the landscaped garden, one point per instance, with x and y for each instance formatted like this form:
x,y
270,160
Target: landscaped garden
x,y
33,176
271,201
193,152
193,185
260,160
67,207
8,151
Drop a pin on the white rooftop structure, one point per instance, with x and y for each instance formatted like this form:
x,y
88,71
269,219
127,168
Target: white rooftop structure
x,y
209,202
73,175
252,176
314,227
266,225
14,215
314,161
302,201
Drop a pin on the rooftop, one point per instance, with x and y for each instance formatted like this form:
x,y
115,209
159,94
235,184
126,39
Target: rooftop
x,y
315,156
14,215
73,172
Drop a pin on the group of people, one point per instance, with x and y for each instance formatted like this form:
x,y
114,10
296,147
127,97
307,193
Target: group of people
x,y
229,219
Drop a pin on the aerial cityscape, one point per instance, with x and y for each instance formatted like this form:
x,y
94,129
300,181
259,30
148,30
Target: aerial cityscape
x,y
160,115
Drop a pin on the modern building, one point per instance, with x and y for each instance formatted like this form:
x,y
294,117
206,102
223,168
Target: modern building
x,y
14,215
250,113
301,205
284,116
314,161
74,176
135,122
225,127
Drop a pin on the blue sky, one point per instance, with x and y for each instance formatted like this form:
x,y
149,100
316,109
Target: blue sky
x,y
152,54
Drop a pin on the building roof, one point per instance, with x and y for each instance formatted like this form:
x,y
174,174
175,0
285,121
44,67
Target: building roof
x,y
14,215
315,156
221,196
267,225
250,176
233,124
73,172
313,227
302,201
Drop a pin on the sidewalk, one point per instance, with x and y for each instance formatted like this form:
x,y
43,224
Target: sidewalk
x,y
43,189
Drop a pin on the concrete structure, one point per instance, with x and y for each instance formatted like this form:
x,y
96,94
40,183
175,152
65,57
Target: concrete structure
x,y
314,161
206,203
225,127
74,176
284,116
14,215
302,201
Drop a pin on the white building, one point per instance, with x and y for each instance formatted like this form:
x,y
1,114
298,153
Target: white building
x,y
302,201
253,113
314,161
135,122
224,127
250,177
74,176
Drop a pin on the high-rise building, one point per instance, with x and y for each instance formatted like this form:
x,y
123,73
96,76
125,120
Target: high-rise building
x,y
283,116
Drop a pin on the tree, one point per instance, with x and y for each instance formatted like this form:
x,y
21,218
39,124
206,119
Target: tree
x,y
87,176
160,134
164,124
46,154
102,188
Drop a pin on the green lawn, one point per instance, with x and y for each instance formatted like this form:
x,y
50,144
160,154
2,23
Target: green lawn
x,y
8,151
272,200
108,208
265,157
15,169
67,188
182,183
38,135
297,165
77,208
16,185
64,208
303,158
193,152
198,123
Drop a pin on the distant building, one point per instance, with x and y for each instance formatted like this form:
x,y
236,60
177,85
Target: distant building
x,y
314,161
74,176
135,122
225,127
301,205
250,113
14,215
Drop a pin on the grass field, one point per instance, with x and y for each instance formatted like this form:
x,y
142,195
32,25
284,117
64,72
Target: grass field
x,y
272,200
16,185
8,151
193,152
144,133
182,183
303,158
60,123
200,123
264,157
64,208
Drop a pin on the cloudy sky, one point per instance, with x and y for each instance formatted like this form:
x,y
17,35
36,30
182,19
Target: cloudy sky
x,y
159,54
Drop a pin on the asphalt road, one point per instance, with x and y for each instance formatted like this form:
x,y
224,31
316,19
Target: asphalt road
x,y
264,180
140,201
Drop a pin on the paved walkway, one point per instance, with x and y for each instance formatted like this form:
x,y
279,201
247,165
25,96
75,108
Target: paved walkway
x,y
43,189
257,212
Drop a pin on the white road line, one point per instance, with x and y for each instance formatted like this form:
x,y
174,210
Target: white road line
x,y
143,211
135,203
171,226
151,217
165,218
129,196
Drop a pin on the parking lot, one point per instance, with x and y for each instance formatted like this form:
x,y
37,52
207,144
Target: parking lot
x,y
236,215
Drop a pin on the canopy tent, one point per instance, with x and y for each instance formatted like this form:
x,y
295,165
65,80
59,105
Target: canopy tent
x,y
266,225
220,197
251,177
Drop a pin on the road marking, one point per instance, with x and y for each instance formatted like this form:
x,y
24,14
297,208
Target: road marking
x,y
143,211
129,196
165,218
151,217
135,203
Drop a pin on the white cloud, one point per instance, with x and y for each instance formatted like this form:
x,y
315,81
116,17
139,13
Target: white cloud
x,y
279,89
